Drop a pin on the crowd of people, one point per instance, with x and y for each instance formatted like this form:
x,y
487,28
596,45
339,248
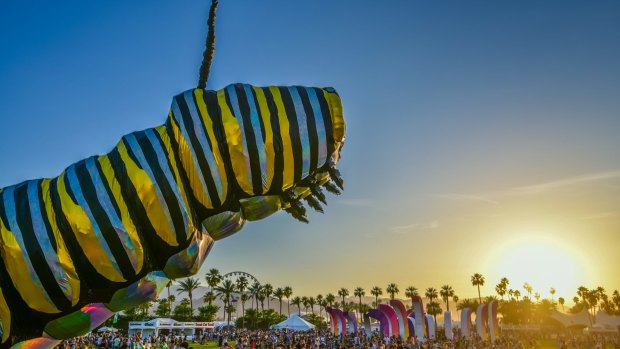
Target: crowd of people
x,y
287,339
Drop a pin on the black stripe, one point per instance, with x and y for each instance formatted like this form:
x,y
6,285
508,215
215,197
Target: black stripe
x,y
13,299
137,212
196,209
260,115
327,118
215,112
87,273
289,107
46,220
278,163
198,151
35,253
312,132
103,221
174,206
250,139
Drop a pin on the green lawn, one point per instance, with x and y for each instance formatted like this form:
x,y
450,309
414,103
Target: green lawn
x,y
209,345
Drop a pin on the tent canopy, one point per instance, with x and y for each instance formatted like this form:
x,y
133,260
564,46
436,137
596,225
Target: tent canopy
x,y
294,322
580,319
107,329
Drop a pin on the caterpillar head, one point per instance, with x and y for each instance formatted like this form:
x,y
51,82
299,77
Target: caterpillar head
x,y
250,151
286,152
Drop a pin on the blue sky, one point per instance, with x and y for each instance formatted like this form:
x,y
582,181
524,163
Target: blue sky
x,y
470,124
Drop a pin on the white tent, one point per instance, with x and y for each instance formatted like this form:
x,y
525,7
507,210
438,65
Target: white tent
x,y
610,321
107,329
294,322
580,319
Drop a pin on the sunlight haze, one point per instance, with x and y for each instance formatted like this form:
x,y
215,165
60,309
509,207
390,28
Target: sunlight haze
x,y
482,137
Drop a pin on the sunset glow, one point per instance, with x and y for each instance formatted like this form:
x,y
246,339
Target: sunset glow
x,y
543,263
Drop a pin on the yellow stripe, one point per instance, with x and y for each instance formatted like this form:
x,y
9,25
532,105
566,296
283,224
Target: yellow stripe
x,y
165,138
85,235
148,196
187,161
206,118
335,108
235,144
269,150
34,295
61,249
287,147
130,228
5,318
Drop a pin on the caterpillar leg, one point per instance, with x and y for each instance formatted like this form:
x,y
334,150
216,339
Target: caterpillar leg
x,y
44,342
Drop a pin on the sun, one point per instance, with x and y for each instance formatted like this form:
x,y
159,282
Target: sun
x,y
541,262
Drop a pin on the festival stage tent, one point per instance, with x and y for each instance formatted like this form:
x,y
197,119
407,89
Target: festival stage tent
x,y
580,319
107,329
294,322
606,320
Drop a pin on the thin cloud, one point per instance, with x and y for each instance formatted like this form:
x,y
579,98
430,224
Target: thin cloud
x,y
466,197
546,186
402,229
533,189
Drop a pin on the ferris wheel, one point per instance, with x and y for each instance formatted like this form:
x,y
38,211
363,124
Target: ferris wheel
x,y
233,275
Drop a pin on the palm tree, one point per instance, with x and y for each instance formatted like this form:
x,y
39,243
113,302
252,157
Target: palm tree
x,y
244,298
209,297
501,289
188,286
411,292
392,289
455,299
297,302
213,278
561,301
529,289
322,303
478,280
431,293
343,292
311,303
268,290
170,283
254,290
517,294
376,291
319,301
304,302
433,308
446,292
359,293
537,296
229,309
552,292
330,299
279,294
261,298
241,285
225,291
171,299
288,292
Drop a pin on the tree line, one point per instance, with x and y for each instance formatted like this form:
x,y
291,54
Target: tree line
x,y
516,309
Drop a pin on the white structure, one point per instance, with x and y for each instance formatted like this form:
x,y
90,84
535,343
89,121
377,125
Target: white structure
x,y
294,322
169,326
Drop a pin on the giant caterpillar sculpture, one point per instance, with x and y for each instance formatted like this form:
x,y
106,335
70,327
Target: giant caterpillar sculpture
x,y
112,230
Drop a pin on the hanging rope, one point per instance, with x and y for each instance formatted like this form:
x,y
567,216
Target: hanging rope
x,y
207,56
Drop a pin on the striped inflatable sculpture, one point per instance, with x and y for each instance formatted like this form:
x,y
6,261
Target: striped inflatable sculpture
x,y
110,231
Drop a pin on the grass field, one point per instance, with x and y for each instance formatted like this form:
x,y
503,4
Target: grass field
x,y
209,345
